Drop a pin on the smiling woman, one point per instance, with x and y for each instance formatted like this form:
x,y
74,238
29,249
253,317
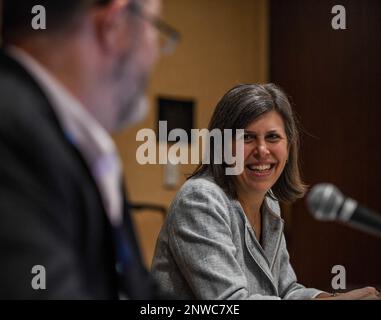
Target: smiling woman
x,y
270,126
223,237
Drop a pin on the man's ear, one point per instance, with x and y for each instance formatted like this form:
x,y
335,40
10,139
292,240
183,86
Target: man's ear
x,y
110,23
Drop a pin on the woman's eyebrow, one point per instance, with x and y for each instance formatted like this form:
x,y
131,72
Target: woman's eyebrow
x,y
274,131
270,131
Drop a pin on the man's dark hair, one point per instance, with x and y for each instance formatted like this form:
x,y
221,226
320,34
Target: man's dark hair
x,y
60,15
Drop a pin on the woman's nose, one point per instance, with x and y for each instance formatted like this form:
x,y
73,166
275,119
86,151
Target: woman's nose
x,y
262,150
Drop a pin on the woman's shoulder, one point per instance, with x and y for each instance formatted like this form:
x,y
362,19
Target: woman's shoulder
x,y
202,186
200,196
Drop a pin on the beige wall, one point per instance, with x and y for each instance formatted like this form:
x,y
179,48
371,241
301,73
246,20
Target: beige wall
x,y
224,42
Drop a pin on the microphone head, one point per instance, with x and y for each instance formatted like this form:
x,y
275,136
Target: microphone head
x,y
325,201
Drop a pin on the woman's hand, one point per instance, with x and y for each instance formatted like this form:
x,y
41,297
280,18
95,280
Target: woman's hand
x,y
367,293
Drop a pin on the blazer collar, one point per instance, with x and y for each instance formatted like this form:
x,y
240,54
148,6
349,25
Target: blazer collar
x,y
272,229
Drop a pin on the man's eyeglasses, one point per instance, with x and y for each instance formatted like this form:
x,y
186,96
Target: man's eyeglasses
x,y
169,36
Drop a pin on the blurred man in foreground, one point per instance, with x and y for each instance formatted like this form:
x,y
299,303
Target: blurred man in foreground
x,y
65,231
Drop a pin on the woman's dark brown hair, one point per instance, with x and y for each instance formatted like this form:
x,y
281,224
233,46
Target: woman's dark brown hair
x,y
236,110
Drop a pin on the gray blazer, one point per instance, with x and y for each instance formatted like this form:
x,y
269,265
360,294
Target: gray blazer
x,y
207,249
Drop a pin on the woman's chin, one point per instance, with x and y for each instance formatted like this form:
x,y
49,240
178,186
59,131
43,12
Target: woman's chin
x,y
260,188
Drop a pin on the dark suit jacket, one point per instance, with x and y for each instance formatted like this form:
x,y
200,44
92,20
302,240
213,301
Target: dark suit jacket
x,y
51,213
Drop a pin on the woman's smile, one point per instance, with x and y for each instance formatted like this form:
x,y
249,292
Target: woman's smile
x,y
260,170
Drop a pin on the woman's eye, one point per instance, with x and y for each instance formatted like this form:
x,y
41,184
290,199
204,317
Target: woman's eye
x,y
248,137
273,137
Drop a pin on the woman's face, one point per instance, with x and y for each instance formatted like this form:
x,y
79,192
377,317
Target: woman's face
x,y
265,154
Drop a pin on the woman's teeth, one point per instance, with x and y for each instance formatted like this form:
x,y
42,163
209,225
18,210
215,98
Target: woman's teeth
x,y
260,167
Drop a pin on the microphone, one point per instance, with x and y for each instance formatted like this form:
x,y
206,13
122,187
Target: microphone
x,y
327,203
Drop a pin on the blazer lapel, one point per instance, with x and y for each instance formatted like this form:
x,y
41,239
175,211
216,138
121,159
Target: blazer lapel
x,y
254,248
272,230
